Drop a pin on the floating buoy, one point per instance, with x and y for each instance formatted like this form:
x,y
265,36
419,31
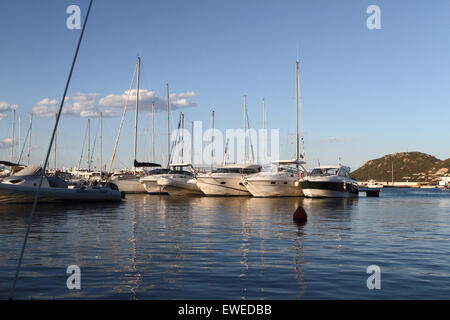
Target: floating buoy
x,y
300,214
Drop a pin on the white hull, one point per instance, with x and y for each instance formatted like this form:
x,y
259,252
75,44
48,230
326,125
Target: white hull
x,y
130,185
179,187
151,186
324,193
264,188
222,186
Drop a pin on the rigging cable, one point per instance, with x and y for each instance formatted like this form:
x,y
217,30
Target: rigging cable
x,y
36,196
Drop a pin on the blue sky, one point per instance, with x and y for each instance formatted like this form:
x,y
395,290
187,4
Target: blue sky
x,y
365,93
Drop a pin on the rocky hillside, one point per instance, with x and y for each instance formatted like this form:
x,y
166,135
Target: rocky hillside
x,y
408,166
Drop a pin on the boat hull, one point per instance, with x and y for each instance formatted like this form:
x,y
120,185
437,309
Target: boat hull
x,y
130,186
20,194
152,186
212,186
317,189
176,187
267,189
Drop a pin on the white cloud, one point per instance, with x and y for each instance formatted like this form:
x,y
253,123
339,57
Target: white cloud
x,y
5,143
146,97
78,105
5,107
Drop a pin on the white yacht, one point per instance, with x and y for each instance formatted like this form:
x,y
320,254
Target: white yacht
x,y
330,182
226,180
127,182
179,181
150,181
281,181
21,188
374,184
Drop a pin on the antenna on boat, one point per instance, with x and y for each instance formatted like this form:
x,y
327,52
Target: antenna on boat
x,y
36,195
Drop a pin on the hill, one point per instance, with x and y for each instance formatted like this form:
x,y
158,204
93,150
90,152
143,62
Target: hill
x,y
408,166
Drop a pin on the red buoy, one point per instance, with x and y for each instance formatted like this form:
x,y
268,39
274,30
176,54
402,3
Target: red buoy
x,y
300,214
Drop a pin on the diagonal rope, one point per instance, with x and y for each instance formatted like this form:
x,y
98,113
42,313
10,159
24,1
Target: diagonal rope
x,y
36,196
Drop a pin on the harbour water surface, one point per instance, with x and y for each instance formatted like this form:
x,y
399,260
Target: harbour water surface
x,y
161,247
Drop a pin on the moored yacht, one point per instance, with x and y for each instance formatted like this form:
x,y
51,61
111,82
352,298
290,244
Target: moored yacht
x,y
329,182
179,181
22,186
226,180
281,181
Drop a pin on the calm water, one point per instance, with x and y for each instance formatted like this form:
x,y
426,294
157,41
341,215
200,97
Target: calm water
x,y
159,247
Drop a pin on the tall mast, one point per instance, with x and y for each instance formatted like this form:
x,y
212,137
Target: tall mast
x,y
137,110
245,128
192,142
297,153
182,137
212,142
168,126
29,139
101,143
13,131
301,117
56,134
264,114
20,136
153,131
89,145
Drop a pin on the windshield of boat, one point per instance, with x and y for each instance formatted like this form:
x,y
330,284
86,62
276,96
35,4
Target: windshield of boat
x,y
237,170
324,172
158,171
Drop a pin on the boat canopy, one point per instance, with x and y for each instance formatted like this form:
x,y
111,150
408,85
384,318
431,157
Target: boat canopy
x,y
138,164
30,170
286,162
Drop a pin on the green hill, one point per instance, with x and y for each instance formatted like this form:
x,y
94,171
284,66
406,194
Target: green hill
x,y
408,166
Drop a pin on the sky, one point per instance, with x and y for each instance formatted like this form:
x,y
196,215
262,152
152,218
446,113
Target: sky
x,y
365,93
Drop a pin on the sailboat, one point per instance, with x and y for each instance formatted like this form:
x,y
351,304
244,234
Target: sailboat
x,y
128,182
179,181
283,179
150,181
227,179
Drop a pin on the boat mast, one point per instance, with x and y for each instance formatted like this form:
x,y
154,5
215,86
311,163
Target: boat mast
x,y
245,128
153,131
182,137
56,135
101,144
192,142
121,121
29,139
297,155
137,110
20,137
89,145
212,141
13,131
264,133
168,126
301,116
